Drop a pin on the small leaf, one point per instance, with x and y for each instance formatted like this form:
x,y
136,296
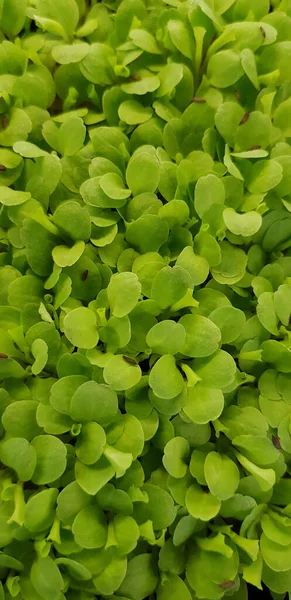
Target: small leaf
x,y
10,197
165,379
113,186
80,327
71,136
66,257
67,54
203,404
209,191
134,113
221,474
246,224
143,173
19,455
176,453
200,504
144,40
123,291
46,578
39,350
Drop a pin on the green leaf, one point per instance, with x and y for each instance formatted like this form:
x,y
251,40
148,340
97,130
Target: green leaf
x,y
63,390
181,38
217,371
170,76
13,16
147,233
73,220
71,136
144,40
123,292
67,54
80,328
28,150
246,224
133,112
173,587
11,197
66,14
200,504
39,512
165,379
209,191
282,117
227,120
66,257
277,557
230,321
113,186
264,477
18,454
92,478
176,453
93,401
46,578
110,579
266,312
143,173
195,265
51,459
221,474
203,404
166,337
170,285
224,68
202,336
120,374
264,175
89,528
90,443
249,66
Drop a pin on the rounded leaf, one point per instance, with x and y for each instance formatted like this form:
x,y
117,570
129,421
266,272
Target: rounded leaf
x,y
80,328
120,374
166,337
221,474
51,459
165,378
123,293
202,336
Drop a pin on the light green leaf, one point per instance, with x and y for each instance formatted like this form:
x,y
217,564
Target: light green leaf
x,y
144,40
120,374
246,224
175,457
18,454
67,54
200,504
221,474
46,578
113,186
264,175
123,292
209,191
143,173
66,257
71,136
39,350
165,379
80,328
133,112
203,404
10,197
